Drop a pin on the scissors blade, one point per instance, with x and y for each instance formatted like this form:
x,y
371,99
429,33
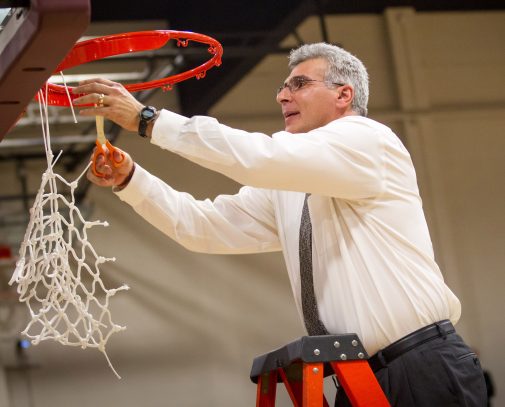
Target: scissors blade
x,y
100,133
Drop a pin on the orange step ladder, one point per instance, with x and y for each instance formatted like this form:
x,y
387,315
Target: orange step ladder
x,y
302,365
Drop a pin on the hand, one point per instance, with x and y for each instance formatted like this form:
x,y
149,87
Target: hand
x,y
111,174
118,104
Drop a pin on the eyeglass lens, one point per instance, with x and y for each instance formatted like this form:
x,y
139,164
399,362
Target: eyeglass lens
x,y
295,83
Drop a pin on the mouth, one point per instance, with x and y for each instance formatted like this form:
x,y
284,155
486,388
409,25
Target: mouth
x,y
288,115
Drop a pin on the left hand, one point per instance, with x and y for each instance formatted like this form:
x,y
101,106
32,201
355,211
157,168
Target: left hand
x,y
119,105
113,168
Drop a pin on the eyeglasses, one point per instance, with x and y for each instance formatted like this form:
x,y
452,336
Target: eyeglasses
x,y
297,82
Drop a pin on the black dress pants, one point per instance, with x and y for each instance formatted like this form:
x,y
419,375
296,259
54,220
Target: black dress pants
x,y
443,372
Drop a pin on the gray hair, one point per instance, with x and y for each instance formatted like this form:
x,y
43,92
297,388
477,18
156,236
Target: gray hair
x,y
343,67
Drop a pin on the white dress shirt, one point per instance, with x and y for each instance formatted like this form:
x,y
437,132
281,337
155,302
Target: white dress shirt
x,y
373,263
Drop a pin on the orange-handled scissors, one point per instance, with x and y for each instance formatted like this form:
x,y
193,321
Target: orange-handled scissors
x,y
109,153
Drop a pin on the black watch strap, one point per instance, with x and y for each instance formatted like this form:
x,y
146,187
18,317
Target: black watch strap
x,y
147,115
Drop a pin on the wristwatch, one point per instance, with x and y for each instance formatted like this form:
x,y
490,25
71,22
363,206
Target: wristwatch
x,y
147,115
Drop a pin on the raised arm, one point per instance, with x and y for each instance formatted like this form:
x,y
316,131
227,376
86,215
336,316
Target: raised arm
x,y
342,159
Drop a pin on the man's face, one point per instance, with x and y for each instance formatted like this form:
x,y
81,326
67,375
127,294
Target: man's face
x,y
312,105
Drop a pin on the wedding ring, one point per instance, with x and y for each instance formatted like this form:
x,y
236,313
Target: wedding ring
x,y
101,96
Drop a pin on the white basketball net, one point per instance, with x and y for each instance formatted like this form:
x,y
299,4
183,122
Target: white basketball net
x,y
58,271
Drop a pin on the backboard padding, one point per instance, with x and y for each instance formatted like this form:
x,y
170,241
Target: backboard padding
x,y
32,44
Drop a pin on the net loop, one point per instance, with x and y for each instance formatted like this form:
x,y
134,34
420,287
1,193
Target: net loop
x,y
182,43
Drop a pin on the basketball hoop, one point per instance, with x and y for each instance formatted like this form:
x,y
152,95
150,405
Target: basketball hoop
x,y
118,44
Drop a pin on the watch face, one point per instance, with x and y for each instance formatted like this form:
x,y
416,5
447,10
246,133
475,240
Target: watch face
x,y
148,113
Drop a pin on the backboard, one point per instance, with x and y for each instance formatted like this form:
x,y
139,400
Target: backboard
x,y
35,36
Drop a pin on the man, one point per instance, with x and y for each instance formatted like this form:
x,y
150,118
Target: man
x,y
335,184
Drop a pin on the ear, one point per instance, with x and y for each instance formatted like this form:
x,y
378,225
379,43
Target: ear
x,y
345,96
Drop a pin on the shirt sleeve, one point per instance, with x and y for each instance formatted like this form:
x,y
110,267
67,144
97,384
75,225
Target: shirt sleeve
x,y
241,223
343,159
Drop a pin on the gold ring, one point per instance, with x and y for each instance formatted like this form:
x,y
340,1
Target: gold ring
x,y
101,96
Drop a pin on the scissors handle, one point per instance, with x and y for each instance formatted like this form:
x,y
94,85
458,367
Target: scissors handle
x,y
106,153
112,156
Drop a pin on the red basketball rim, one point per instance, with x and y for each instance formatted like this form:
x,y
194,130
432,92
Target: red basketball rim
x,y
118,44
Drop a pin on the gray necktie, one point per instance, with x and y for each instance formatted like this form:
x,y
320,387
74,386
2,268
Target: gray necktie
x,y
309,305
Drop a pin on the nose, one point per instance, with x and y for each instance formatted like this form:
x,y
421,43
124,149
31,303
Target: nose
x,y
283,96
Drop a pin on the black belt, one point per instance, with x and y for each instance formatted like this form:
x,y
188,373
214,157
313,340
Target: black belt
x,y
403,345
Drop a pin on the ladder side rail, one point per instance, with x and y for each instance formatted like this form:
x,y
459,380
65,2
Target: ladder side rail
x,y
360,384
266,389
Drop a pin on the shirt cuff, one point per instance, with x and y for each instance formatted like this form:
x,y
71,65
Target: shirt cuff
x,y
167,128
138,187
